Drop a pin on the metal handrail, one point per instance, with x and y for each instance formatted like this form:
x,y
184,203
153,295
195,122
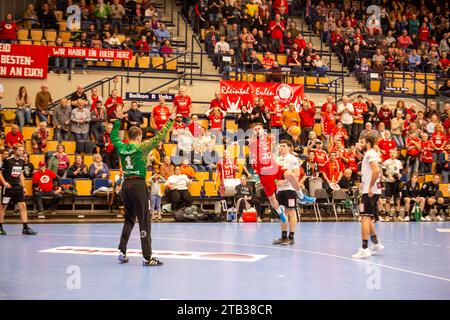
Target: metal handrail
x,y
194,37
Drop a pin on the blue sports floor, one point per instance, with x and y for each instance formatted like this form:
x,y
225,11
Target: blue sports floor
x,y
213,261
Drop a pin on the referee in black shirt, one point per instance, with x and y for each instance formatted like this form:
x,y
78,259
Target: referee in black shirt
x,y
13,182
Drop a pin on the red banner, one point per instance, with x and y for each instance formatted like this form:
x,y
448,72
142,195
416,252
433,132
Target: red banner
x,y
18,61
89,53
236,94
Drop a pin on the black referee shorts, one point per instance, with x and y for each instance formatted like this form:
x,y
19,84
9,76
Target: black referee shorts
x,y
392,190
370,205
14,196
287,198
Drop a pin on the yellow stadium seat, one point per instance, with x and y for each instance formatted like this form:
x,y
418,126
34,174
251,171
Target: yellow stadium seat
x,y
23,34
113,174
157,62
51,145
317,129
36,158
51,43
64,35
219,150
148,175
195,187
28,187
71,158
117,63
170,149
282,59
36,34
101,64
171,65
50,35
68,44
88,159
121,37
131,63
58,15
144,62
210,189
70,146
428,177
259,77
298,80
231,125
28,147
201,176
375,85
26,42
62,26
204,123
83,186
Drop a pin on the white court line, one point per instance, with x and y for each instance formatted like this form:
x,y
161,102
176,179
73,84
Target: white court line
x,y
275,248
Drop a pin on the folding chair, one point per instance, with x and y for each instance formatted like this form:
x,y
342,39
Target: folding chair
x,y
323,200
313,205
337,197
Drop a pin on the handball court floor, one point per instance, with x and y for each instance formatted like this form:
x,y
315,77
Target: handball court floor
x,y
226,261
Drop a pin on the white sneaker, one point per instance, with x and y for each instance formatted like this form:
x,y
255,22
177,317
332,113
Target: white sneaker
x,y
362,254
406,219
427,218
439,218
376,247
423,219
241,220
84,72
259,220
381,219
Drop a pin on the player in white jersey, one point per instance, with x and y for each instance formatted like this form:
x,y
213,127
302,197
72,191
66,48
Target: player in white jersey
x,y
286,194
371,191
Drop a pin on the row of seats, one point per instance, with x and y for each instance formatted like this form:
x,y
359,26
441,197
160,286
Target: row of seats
x,y
310,82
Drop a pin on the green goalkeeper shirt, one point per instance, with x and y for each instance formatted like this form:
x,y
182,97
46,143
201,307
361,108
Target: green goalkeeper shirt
x,y
133,157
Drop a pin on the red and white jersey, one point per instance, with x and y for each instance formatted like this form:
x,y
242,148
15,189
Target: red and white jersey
x,y
225,168
360,108
333,169
427,152
276,115
160,115
438,139
320,157
178,126
413,145
386,146
261,153
352,161
182,104
329,122
215,121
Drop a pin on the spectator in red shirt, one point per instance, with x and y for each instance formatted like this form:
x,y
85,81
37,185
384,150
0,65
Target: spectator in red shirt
x,y
178,127
278,4
216,117
333,169
328,123
45,185
13,137
404,41
320,156
142,46
276,114
276,31
307,120
160,115
329,102
444,63
8,29
426,155
267,61
438,140
413,146
301,43
386,145
194,126
424,33
183,105
218,102
111,104
340,131
385,115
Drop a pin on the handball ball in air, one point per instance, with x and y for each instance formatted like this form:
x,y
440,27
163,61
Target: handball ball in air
x,y
294,131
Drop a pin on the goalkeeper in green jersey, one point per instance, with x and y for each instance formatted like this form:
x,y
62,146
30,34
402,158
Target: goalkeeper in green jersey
x,y
133,158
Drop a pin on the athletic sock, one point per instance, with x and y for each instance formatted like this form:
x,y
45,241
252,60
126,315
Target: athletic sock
x,y
283,234
1,226
25,225
365,244
374,239
300,194
291,236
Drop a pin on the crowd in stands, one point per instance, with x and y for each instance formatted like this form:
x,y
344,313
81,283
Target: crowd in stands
x,y
401,36
413,143
241,30
110,24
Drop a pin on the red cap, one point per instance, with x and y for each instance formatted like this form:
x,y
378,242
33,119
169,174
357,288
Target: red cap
x,y
42,164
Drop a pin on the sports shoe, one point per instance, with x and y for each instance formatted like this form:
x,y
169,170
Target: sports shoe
x,y
307,199
423,219
259,220
84,72
152,262
362,254
2,232
381,219
291,241
29,232
241,220
72,72
281,241
376,247
407,219
123,258
439,218
427,218
281,214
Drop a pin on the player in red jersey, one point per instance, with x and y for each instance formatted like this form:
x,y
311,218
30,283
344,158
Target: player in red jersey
x,y
226,169
386,145
268,170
